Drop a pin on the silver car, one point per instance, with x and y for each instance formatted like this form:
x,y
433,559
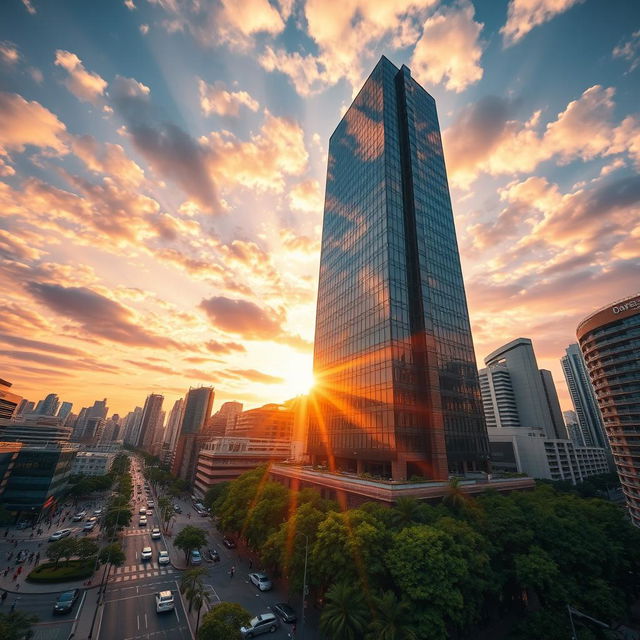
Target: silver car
x,y
261,580
264,623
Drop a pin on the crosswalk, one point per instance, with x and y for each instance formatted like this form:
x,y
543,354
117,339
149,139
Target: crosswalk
x,y
140,571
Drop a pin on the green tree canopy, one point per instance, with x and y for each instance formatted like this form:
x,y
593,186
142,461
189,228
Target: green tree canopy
x,y
61,549
190,538
346,613
112,554
223,622
17,625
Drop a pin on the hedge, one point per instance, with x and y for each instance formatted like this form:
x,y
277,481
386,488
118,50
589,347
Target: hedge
x,y
75,570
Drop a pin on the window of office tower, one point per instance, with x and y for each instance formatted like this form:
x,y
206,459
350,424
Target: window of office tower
x,y
397,390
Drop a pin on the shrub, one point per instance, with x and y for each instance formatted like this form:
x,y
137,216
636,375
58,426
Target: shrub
x,y
75,570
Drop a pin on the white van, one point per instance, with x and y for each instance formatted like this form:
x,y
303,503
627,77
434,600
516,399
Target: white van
x,y
164,602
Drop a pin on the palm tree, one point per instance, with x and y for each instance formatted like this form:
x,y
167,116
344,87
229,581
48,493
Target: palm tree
x,y
405,512
166,511
346,613
194,591
455,498
391,619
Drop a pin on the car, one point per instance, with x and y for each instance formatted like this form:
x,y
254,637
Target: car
x,y
177,508
229,542
98,512
150,504
164,601
214,556
92,519
79,516
143,521
89,526
146,554
143,511
58,535
65,601
196,557
163,557
285,612
263,623
155,533
261,580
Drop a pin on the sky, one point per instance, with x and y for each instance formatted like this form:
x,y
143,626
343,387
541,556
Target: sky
x,y
162,172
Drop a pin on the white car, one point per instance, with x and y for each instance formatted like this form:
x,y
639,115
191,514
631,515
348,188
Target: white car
x,y
143,511
58,535
164,601
155,533
146,554
143,521
163,557
261,580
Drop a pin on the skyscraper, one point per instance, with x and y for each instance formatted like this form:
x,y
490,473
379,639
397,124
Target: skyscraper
x,y
608,339
397,389
583,398
48,406
149,422
65,410
516,393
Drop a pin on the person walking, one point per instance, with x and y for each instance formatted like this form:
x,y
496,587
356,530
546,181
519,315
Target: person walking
x,y
3,597
250,563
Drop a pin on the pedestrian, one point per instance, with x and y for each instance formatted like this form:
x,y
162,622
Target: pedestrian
x,y
250,564
3,597
232,572
17,586
6,571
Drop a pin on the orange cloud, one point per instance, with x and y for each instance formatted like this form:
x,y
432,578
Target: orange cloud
x,y
449,49
9,53
85,85
214,98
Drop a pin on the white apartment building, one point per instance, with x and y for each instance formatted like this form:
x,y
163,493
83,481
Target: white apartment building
x,y
92,463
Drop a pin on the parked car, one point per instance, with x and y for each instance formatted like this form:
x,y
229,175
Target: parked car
x,y
143,511
264,623
285,612
155,533
98,512
164,601
214,556
196,557
79,516
146,554
177,508
65,601
89,526
228,542
58,535
163,557
143,521
150,504
261,580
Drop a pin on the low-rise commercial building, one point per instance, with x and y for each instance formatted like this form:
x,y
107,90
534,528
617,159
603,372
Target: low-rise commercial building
x,y
92,463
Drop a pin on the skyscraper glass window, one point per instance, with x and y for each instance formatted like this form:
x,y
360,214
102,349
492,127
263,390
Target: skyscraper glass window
x,y
397,391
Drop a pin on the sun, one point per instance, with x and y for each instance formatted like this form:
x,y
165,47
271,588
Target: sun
x,y
300,380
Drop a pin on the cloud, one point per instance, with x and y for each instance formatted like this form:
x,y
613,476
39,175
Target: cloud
x,y
96,314
293,241
38,345
29,7
223,347
144,29
9,54
85,85
243,317
141,364
169,150
86,364
449,49
24,123
486,138
629,51
254,376
109,159
524,15
214,98
306,196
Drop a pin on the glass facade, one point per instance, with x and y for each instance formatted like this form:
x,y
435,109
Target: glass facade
x,y
610,343
397,391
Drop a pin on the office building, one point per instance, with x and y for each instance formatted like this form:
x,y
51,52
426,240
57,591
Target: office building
x,y
609,340
583,398
8,401
149,421
35,429
92,463
573,428
224,459
132,426
25,407
65,410
48,406
397,391
516,394
173,424
271,421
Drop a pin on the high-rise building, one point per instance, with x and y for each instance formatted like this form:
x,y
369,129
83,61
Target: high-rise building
x,y
132,426
515,393
149,422
8,401
397,391
610,343
25,407
272,422
173,424
90,422
48,406
583,397
573,428
65,410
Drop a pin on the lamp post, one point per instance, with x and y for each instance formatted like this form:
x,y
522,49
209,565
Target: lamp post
x,y
304,583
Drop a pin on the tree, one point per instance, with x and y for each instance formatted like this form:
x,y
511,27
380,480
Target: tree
x,y
405,512
16,625
214,493
455,498
345,614
116,518
391,619
85,548
224,621
112,554
194,591
165,507
60,549
190,538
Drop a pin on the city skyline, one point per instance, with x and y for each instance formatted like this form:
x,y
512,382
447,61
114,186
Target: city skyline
x,y
163,213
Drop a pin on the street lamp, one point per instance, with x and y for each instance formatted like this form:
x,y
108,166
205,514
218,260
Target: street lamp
x,y
304,583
